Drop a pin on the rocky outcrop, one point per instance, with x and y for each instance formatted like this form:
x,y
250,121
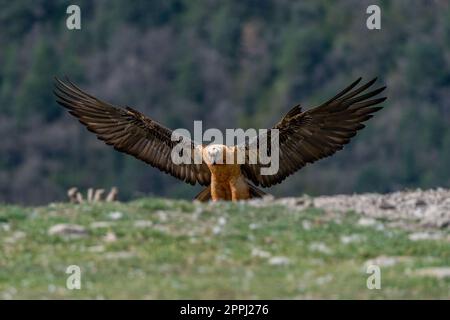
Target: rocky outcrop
x,y
425,208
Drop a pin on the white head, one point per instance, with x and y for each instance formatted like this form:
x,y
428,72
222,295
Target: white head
x,y
214,154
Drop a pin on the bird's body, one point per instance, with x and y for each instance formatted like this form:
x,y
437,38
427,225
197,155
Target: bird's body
x,y
227,180
228,183
304,137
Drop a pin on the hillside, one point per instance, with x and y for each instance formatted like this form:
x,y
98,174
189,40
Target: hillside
x,y
291,248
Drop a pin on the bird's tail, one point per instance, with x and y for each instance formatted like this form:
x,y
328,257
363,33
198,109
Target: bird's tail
x,y
255,192
205,194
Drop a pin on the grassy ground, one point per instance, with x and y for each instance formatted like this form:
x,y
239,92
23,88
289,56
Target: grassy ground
x,y
155,248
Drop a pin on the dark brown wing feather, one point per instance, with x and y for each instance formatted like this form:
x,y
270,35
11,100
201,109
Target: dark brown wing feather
x,y
305,137
129,131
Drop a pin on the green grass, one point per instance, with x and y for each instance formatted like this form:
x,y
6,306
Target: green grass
x,y
189,252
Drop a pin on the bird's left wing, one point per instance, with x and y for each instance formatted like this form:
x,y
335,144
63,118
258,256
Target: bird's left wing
x,y
305,137
129,131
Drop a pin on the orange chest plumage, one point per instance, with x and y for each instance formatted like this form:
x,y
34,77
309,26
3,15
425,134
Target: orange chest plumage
x,y
227,183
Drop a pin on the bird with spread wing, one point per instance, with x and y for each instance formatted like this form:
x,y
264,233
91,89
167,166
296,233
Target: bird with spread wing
x,y
304,137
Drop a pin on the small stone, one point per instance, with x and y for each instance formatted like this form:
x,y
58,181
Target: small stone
x,y
253,226
110,237
386,205
64,229
51,288
143,224
420,203
16,236
324,280
351,238
260,253
216,230
222,221
387,261
119,255
268,240
100,224
438,272
306,224
366,222
162,216
5,226
96,249
115,215
279,261
320,247
436,216
420,236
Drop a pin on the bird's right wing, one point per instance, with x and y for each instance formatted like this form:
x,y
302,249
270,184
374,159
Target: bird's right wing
x,y
130,131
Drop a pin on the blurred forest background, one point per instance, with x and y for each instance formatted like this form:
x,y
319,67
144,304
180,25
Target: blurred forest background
x,y
231,64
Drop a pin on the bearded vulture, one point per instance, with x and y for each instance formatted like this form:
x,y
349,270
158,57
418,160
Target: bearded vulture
x,y
302,137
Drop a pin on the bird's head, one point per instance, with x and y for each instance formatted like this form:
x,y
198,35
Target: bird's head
x,y
214,154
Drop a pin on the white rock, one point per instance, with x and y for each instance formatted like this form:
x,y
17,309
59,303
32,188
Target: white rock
x,y
438,272
110,237
217,230
320,247
101,224
351,238
253,226
96,249
324,279
161,228
143,224
65,229
387,261
366,222
260,253
162,216
418,236
222,221
16,236
279,261
115,215
5,226
306,224
119,255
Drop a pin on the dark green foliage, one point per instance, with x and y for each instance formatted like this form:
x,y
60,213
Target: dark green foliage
x,y
228,63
